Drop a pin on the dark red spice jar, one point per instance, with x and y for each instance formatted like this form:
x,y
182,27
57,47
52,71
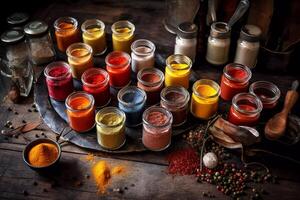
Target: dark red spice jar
x,y
118,68
96,82
235,79
245,110
59,80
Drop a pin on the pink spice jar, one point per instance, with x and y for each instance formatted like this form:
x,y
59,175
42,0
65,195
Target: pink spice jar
x,y
157,128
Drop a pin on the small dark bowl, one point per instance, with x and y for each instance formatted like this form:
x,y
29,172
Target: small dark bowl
x,y
36,142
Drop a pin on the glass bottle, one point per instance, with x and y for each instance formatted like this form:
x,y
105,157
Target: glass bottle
x,y
39,42
17,20
142,55
122,35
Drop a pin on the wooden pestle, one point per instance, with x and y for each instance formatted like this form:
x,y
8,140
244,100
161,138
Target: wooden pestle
x,y
276,126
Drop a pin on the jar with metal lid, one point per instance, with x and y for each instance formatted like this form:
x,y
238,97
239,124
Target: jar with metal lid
x,y
17,20
39,42
142,55
248,46
16,64
186,40
218,44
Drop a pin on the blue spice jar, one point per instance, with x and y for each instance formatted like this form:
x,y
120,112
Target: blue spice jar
x,y
132,102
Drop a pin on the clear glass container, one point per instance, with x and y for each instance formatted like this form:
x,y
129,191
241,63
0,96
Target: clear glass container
x,y
205,98
80,58
16,61
59,80
178,70
111,128
245,109
176,100
66,32
142,55
122,36
157,128
132,102
218,44
39,42
93,34
80,111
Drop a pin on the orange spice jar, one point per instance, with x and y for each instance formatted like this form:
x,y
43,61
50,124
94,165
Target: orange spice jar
x,y
81,111
66,32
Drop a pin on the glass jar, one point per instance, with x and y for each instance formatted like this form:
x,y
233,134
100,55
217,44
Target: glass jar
x,y
111,128
142,55
267,92
17,20
157,128
93,34
118,68
245,109
66,32
186,40
16,64
132,102
235,79
80,58
205,98
178,71
122,35
175,99
96,82
39,42
59,80
218,43
248,46
80,111
151,80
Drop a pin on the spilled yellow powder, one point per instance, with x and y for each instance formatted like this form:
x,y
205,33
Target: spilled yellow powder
x,y
117,170
101,174
90,157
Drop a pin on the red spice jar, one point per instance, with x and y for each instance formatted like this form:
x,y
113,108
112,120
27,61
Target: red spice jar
x,y
59,80
175,99
151,80
157,128
235,79
96,82
245,109
81,111
118,68
267,92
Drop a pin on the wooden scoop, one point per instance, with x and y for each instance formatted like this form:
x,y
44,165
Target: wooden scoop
x,y
276,126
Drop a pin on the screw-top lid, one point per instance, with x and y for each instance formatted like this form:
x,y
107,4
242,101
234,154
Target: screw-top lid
x,y
187,30
17,18
250,33
36,28
220,30
12,36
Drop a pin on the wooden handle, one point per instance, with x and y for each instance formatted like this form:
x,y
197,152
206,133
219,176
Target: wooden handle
x,y
290,100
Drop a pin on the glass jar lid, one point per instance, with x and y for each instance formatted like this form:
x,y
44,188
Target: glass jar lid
x,y
12,36
187,30
250,33
17,18
36,28
220,30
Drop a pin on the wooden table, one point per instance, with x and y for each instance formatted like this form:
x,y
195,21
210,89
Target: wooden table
x,y
146,176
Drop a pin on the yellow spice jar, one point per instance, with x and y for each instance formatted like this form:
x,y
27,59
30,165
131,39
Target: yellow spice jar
x,y
178,70
122,36
205,98
111,128
93,34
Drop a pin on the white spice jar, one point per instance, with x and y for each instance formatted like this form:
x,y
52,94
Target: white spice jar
x,y
186,40
218,44
248,46
142,55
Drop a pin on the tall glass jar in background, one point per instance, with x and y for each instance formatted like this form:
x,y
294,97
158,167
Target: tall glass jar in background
x,y
80,58
66,32
16,64
248,46
39,42
218,44
122,35
93,34
142,55
17,20
186,40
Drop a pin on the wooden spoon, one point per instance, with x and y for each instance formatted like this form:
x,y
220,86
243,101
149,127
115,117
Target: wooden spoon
x,y
276,126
